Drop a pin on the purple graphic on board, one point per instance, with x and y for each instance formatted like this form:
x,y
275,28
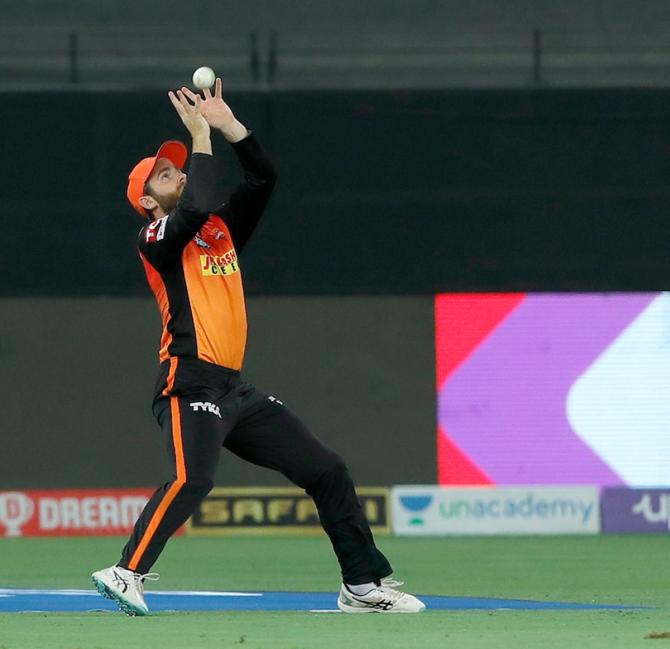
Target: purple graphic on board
x,y
635,510
505,406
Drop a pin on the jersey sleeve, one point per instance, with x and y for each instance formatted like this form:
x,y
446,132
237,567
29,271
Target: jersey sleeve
x,y
161,241
243,209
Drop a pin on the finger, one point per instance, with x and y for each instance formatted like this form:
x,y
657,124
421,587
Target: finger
x,y
218,88
176,104
198,103
189,93
207,93
183,101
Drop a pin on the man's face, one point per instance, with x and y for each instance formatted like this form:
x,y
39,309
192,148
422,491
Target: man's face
x,y
166,184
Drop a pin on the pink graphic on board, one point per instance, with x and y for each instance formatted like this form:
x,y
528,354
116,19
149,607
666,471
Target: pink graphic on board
x,y
505,365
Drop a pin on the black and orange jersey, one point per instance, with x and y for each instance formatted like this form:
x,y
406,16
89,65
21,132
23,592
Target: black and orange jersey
x,y
191,260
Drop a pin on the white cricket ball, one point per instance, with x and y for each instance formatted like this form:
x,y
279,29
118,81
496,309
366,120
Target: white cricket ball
x,y
203,77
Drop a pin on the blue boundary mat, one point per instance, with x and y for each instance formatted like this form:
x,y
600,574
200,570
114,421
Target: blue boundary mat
x,y
17,600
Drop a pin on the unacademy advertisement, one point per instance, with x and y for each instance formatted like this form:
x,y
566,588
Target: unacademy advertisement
x,y
432,510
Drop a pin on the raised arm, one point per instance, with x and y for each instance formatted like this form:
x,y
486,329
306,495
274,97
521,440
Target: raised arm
x,y
245,206
174,225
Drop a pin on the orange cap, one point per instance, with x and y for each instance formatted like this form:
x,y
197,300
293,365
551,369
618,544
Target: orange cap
x,y
176,152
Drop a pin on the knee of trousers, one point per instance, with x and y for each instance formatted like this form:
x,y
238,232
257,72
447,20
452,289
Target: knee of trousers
x,y
332,474
197,487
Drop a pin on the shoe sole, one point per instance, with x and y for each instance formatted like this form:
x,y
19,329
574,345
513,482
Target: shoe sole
x,y
355,609
108,593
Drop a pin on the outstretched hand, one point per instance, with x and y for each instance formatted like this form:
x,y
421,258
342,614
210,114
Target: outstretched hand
x,y
213,108
190,114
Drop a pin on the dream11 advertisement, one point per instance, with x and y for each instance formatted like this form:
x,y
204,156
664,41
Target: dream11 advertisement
x,y
553,388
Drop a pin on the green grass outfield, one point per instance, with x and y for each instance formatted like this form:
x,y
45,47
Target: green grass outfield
x,y
603,570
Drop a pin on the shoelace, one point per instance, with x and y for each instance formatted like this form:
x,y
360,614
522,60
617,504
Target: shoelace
x,y
389,588
140,579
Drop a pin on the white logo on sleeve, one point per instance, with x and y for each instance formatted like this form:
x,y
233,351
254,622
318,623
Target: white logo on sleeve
x,y
161,229
275,400
156,230
206,406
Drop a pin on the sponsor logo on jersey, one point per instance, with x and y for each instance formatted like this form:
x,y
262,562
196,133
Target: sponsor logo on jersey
x,y
225,264
156,230
200,242
206,406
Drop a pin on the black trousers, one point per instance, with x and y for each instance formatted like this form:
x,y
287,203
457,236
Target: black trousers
x,y
228,413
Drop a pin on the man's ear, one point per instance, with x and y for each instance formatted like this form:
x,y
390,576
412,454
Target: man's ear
x,y
148,202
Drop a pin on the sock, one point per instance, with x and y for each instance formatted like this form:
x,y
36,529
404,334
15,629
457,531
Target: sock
x,y
361,589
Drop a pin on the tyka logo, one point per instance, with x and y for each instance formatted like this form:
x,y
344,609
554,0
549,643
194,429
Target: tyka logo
x,y
16,509
645,508
275,400
206,406
416,504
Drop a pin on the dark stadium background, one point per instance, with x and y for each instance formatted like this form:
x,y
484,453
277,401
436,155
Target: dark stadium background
x,y
543,168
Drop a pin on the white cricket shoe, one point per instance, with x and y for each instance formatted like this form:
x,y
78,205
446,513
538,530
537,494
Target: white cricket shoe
x,y
385,598
125,587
